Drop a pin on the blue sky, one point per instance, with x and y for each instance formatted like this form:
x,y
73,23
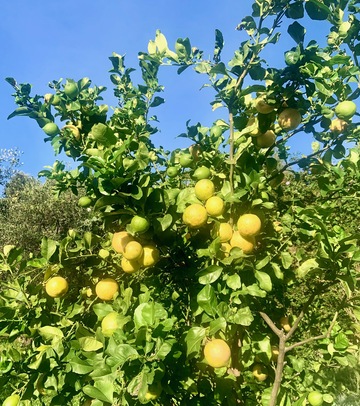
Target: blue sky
x,y
46,40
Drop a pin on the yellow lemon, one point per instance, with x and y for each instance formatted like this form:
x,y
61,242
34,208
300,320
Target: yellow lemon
x,y
129,265
195,215
120,240
56,286
150,256
106,289
249,225
217,353
133,250
204,189
225,232
246,244
215,206
289,119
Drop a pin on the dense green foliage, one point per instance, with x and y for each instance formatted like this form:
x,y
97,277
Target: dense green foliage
x,y
295,289
30,211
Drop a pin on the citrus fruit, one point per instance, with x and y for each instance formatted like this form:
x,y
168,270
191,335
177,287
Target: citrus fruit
x,y
253,123
129,266
262,107
71,90
203,172
133,250
172,171
150,256
106,289
285,324
266,140
274,352
225,248
215,206
204,189
246,244
345,109
259,372
12,400
139,224
249,225
289,119
154,391
110,323
195,215
74,130
338,125
84,201
120,240
225,232
186,160
51,129
315,398
56,286
217,353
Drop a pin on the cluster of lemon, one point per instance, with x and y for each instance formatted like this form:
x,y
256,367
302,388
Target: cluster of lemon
x,y
196,216
288,119
135,256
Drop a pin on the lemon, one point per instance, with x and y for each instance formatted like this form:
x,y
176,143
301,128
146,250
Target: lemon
x,y
315,398
259,372
13,400
217,353
150,256
289,119
120,240
129,266
204,189
225,232
345,109
249,225
215,206
266,140
139,224
203,172
262,107
56,286
110,323
106,289
195,215
246,244
133,250
51,129
84,201
338,125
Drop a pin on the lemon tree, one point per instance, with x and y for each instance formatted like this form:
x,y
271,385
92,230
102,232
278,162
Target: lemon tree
x,y
241,291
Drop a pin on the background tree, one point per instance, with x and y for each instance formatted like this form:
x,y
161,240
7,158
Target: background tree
x,y
9,162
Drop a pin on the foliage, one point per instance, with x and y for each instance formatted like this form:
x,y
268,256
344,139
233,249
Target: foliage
x,y
9,161
304,266
29,211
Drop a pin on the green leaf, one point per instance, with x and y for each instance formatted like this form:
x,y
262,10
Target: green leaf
x,y
286,259
165,221
306,267
264,280
161,42
121,352
210,274
20,111
90,344
96,393
295,10
49,332
183,48
297,32
341,342
193,340
48,248
317,10
217,325
206,299
234,282
243,316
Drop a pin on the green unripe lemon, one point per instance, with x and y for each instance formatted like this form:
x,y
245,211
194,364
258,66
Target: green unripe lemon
x,y
71,90
51,129
315,398
12,400
186,160
203,172
172,171
345,109
84,201
139,224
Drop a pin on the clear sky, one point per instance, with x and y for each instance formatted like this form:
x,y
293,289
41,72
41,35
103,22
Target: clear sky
x,y
46,40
